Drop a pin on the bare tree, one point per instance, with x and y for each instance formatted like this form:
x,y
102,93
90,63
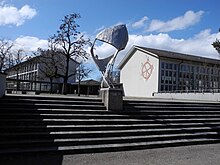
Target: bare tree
x,y
5,54
82,72
18,57
51,62
71,42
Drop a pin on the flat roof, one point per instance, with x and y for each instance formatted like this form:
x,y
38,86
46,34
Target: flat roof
x,y
168,54
29,60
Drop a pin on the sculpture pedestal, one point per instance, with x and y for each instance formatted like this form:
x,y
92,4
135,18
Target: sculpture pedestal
x,y
112,98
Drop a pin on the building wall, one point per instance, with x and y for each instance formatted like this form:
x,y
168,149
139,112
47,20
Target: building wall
x,y
72,71
188,76
145,71
26,71
30,71
140,75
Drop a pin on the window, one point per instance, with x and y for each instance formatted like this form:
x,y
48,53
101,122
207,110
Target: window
x,y
186,76
168,76
162,65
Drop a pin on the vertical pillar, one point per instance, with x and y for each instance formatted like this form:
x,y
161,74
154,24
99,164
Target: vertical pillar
x,y
112,98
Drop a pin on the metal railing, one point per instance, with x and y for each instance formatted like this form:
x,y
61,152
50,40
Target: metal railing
x,y
213,90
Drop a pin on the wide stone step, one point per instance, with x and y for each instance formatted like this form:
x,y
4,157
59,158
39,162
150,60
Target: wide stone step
x,y
103,133
60,116
116,120
49,97
101,116
171,103
174,108
103,121
156,104
105,140
102,110
76,121
110,147
82,125
39,105
53,111
167,112
174,116
99,109
66,102
126,126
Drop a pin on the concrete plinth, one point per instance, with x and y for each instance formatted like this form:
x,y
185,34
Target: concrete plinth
x,y
112,98
2,84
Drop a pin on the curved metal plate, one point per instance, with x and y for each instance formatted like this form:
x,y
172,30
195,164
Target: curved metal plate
x,y
117,36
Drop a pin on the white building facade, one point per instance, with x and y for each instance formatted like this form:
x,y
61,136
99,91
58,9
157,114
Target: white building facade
x,y
32,77
145,71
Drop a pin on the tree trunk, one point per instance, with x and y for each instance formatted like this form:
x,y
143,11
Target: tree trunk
x,y
79,80
51,85
65,89
17,83
79,87
65,79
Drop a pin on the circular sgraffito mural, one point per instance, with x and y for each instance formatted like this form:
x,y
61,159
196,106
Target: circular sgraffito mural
x,y
146,69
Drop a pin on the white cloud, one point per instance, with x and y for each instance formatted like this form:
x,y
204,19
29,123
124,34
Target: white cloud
x,y
104,50
199,45
140,22
99,29
30,44
26,12
10,15
188,19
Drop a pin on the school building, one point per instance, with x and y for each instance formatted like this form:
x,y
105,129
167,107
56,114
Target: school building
x,y
146,71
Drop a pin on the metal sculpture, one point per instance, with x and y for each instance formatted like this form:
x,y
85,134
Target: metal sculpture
x,y
116,36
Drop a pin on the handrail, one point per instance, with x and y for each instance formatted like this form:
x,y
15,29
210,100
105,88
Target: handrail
x,y
213,90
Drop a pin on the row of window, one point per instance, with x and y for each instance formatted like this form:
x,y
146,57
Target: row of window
x,y
28,67
25,76
23,69
188,77
182,67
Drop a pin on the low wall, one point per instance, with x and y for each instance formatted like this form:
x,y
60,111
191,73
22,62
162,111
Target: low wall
x,y
189,96
2,84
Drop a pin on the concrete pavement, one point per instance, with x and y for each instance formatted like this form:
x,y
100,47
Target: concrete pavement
x,y
189,155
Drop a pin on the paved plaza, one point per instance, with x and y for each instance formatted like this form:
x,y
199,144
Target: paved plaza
x,y
189,155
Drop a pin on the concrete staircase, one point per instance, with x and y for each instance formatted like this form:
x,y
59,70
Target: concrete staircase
x,y
30,124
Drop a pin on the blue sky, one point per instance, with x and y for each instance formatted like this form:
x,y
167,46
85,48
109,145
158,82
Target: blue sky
x,y
187,26
100,13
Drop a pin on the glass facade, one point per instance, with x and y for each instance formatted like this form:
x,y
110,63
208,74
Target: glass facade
x,y
188,77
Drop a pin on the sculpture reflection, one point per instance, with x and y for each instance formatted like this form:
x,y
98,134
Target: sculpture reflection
x,y
116,36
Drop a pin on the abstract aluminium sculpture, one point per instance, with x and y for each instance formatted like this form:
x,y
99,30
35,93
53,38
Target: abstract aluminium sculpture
x,y
116,36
